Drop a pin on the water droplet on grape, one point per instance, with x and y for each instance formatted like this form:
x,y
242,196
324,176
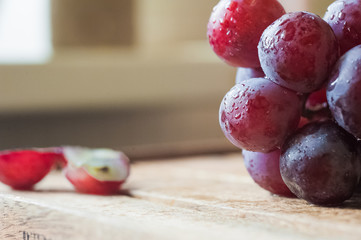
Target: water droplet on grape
x,y
341,16
235,95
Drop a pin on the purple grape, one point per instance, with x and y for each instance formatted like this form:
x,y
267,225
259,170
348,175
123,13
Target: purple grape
x,y
358,188
248,73
344,92
264,169
258,115
344,18
298,51
319,163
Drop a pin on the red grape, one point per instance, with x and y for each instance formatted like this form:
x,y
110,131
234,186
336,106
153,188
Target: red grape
x,y
319,163
344,92
316,107
258,115
344,18
317,100
303,122
248,73
235,27
264,169
298,51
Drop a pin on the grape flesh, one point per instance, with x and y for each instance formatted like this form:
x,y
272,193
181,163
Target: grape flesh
x,y
257,115
248,73
319,163
264,168
235,27
344,18
298,51
344,92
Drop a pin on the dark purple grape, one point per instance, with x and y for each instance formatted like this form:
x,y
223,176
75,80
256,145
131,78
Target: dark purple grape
x,y
319,163
344,92
358,188
257,114
344,17
298,51
264,169
248,73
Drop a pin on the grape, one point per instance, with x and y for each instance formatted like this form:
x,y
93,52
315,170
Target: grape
x,y
319,163
235,27
317,100
298,51
303,122
344,18
264,169
344,92
248,73
257,114
316,107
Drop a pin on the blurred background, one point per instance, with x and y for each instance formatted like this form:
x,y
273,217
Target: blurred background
x,y
134,75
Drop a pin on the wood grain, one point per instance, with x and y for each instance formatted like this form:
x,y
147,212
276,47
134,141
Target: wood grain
x,y
206,197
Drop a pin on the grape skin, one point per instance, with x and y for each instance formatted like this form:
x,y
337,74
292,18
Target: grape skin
x,y
344,92
344,18
264,169
298,51
257,114
319,163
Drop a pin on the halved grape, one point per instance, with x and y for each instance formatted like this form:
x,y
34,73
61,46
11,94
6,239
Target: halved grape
x,y
257,114
235,27
264,169
248,73
319,163
344,92
298,51
344,18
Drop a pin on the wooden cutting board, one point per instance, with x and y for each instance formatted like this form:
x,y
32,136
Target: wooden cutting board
x,y
206,197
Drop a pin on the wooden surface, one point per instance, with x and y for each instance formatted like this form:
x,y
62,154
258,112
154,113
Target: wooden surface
x,y
206,197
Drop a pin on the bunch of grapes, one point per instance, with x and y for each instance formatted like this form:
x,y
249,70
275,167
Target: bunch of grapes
x,y
294,109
